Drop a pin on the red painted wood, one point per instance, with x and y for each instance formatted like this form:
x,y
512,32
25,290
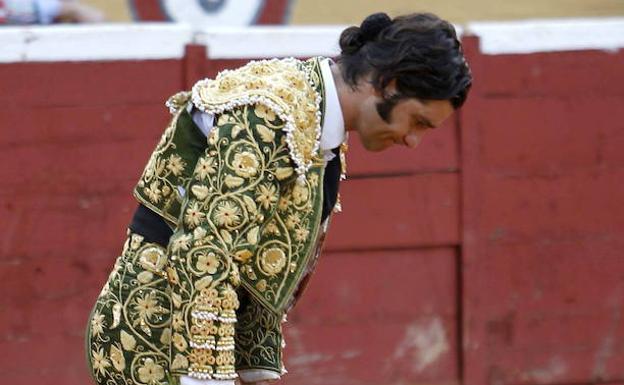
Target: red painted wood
x,y
195,64
562,74
369,353
149,10
370,327
373,286
55,226
80,125
88,83
583,205
61,168
62,300
422,211
549,137
45,359
542,219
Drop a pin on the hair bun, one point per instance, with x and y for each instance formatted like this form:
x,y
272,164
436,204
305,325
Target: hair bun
x,y
351,40
374,24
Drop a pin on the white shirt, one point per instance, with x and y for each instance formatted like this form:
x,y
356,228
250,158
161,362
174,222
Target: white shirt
x,y
333,130
332,135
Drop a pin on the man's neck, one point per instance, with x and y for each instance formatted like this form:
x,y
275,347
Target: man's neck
x,y
347,96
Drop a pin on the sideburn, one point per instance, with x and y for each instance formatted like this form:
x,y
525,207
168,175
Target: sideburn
x,y
385,107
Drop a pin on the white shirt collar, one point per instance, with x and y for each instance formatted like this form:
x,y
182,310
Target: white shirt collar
x,y
333,130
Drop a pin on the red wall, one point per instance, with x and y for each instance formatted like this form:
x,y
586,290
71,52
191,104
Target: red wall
x,y
489,256
543,219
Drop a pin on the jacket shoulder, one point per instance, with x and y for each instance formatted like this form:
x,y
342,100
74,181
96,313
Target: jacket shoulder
x,y
284,86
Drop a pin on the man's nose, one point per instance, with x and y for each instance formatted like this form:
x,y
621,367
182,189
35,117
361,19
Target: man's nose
x,y
412,140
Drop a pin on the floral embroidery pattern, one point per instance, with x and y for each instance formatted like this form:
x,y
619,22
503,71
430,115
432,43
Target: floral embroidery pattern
x,y
280,89
284,112
259,338
205,254
169,168
238,198
128,332
272,260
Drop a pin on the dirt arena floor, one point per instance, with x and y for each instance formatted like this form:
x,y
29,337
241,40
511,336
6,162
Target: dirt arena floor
x,y
457,11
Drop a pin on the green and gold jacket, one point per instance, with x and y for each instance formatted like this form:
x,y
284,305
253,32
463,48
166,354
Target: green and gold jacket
x,y
252,190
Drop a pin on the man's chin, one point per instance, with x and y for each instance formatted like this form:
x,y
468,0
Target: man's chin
x,y
376,146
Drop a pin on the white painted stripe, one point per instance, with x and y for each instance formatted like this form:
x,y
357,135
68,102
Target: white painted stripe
x,y
268,42
529,36
94,42
144,41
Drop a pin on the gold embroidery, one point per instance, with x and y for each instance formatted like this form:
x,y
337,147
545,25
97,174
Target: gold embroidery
x,y
295,223
117,358
278,88
272,260
100,362
151,372
227,214
245,164
177,101
230,195
131,317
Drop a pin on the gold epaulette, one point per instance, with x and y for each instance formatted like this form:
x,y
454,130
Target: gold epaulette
x,y
284,87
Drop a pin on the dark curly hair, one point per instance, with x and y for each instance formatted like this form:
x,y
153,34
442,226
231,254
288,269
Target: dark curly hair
x,y
420,52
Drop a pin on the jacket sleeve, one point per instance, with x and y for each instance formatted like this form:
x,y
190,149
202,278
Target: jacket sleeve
x,y
233,192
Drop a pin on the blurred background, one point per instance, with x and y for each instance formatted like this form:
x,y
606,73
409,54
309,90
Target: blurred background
x,y
491,255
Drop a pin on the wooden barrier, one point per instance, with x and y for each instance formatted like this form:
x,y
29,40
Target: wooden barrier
x,y
491,255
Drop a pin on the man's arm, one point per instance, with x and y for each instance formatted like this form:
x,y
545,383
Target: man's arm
x,y
233,192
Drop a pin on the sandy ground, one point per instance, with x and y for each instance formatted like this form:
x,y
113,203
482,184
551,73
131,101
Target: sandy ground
x,y
115,10
457,11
